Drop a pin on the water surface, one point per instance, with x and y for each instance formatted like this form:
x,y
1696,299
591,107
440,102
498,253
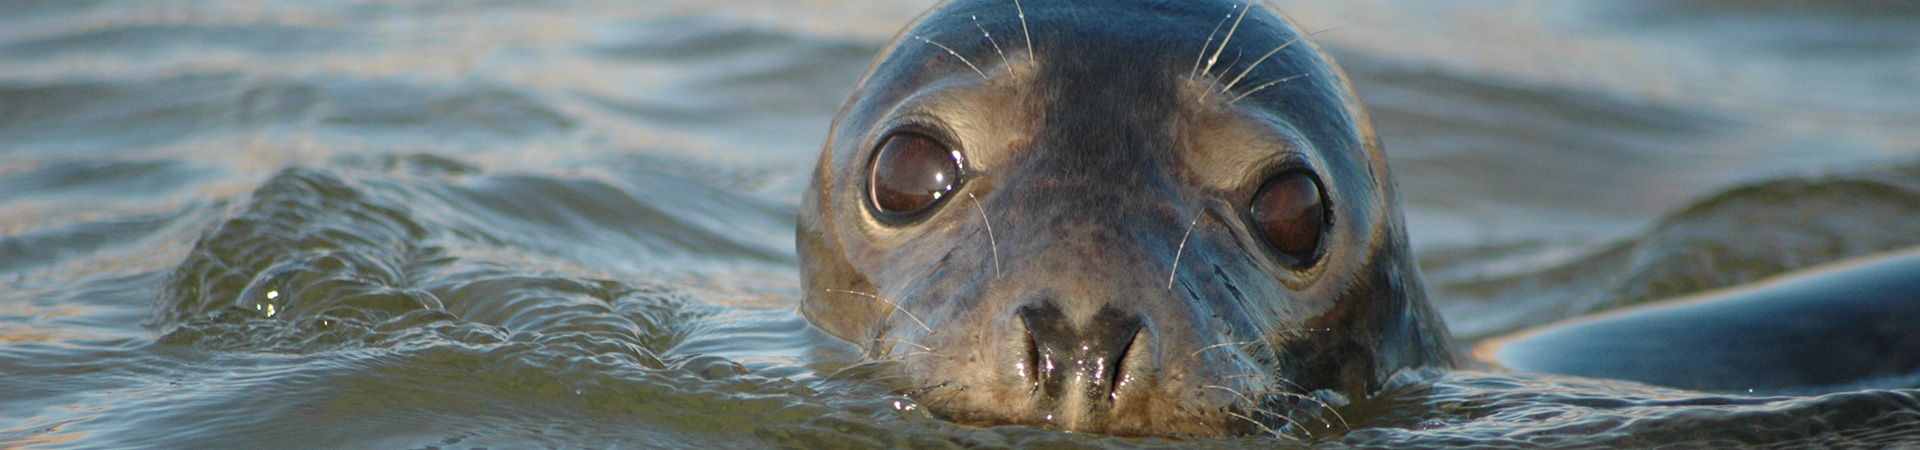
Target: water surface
x,y
433,224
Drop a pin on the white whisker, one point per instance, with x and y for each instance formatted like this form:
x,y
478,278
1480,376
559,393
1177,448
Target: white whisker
x,y
1197,59
1229,38
1263,427
1216,80
976,69
1317,401
1264,86
1253,405
1023,28
896,306
898,341
1182,249
1197,353
1256,63
995,245
1336,414
908,354
996,44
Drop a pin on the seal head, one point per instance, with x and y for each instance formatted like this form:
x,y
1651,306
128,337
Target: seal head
x,y
1132,217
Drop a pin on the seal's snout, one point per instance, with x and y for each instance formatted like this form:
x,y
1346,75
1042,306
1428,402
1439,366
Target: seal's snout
x,y
1079,366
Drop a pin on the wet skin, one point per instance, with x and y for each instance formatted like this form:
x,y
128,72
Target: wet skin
x,y
1839,327
1129,217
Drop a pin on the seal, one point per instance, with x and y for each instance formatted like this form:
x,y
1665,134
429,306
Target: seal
x,y
1131,217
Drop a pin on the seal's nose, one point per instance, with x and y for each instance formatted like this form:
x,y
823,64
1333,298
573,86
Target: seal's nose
x,y
1078,369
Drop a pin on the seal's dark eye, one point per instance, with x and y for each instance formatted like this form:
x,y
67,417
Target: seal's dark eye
x,y
911,173
1289,212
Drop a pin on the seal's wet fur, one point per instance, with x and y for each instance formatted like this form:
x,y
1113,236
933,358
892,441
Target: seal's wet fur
x,y
1096,269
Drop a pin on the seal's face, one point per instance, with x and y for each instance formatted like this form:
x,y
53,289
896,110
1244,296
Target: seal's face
x,y
1129,217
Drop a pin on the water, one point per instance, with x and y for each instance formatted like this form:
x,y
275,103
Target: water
x,y
423,224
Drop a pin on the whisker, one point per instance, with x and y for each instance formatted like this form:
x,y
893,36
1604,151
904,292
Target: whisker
x,y
1279,392
896,306
936,355
1290,420
1322,403
1256,63
1263,427
1214,346
1264,86
898,341
1216,80
1263,58
1336,414
1235,392
884,379
948,393
1316,400
996,44
1229,38
865,366
1023,28
1182,249
1253,404
1290,383
995,245
1245,375
976,69
1197,59
1285,417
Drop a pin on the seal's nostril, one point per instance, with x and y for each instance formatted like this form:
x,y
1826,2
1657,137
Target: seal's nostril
x,y
1114,380
1048,337
1033,372
1085,360
1113,332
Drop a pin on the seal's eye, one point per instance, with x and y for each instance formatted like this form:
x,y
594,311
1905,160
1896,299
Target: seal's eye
x,y
911,173
1290,213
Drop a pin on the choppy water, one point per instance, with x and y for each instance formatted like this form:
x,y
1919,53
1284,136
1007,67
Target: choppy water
x,y
395,224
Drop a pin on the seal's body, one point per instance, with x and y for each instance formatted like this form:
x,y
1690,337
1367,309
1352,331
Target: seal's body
x,y
1132,217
